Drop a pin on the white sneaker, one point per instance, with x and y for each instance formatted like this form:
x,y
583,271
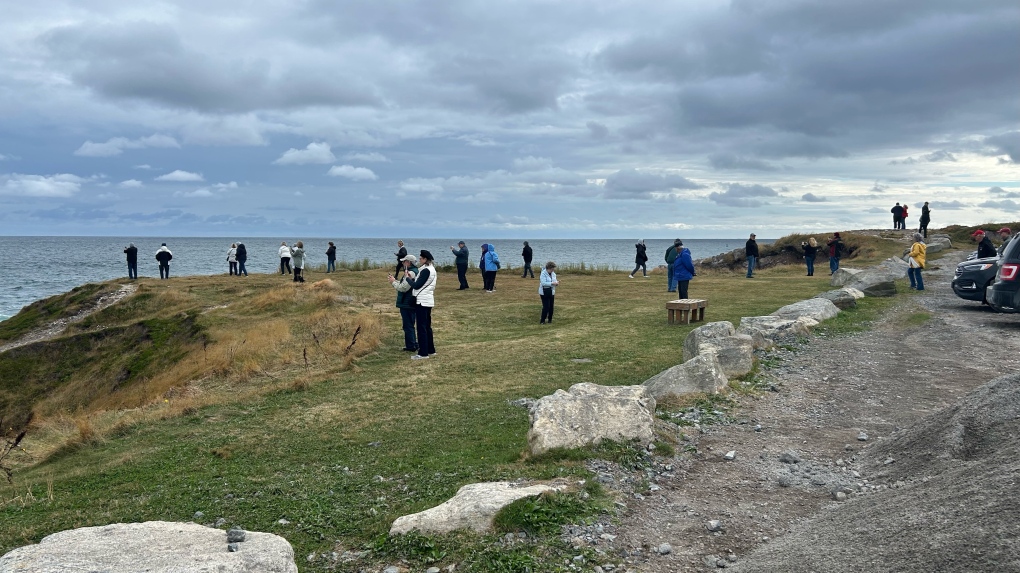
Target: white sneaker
x,y
418,357
630,276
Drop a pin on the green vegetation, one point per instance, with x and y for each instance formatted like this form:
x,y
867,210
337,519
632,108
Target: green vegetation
x,y
256,400
53,308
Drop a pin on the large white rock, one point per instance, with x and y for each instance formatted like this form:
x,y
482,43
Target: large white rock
x,y
588,413
698,335
843,275
703,373
474,508
153,547
815,308
768,330
843,298
735,353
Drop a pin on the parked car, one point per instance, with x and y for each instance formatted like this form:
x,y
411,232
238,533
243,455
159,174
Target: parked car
x,y
1004,294
973,276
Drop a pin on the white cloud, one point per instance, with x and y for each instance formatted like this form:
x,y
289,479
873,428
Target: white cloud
x,y
203,192
5,157
61,185
1005,205
179,175
532,163
947,205
314,153
130,183
225,186
145,166
418,185
353,173
373,157
117,145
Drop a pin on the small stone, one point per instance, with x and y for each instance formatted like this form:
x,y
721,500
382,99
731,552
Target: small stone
x,y
233,547
391,569
664,549
757,427
789,457
607,536
311,557
785,481
839,496
283,521
732,557
198,515
730,455
432,570
235,535
818,480
710,560
714,525
579,559
840,462
889,461
862,437
220,522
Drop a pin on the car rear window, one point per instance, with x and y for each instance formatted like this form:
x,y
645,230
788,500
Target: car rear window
x,y
1012,250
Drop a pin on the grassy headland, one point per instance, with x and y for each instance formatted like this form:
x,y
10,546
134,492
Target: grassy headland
x,y
290,408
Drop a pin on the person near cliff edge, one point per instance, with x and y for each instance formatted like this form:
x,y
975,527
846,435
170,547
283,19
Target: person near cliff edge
x,y
671,254
297,254
925,219
490,260
897,216
460,254
406,302
232,259
401,253
242,257
527,254
916,261
331,258
163,255
751,251
131,251
683,269
285,253
640,258
835,246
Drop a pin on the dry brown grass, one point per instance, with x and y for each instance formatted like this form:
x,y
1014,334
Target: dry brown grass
x,y
274,298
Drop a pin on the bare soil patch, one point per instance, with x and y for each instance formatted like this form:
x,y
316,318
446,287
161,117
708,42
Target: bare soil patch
x,y
782,516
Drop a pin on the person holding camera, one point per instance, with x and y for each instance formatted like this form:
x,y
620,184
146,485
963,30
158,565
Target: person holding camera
x,y
460,254
810,251
131,251
640,258
547,291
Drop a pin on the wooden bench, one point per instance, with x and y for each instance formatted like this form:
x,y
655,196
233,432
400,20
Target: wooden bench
x,y
686,310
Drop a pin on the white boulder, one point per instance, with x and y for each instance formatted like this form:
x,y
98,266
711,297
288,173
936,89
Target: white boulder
x,y
711,330
735,353
154,547
842,276
814,308
588,413
843,298
768,330
703,373
474,508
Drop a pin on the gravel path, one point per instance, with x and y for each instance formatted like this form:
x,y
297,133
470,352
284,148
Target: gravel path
x,y
774,516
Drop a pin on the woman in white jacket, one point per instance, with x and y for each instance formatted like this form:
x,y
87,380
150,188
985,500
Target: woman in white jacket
x,y
284,259
297,253
232,259
547,290
423,289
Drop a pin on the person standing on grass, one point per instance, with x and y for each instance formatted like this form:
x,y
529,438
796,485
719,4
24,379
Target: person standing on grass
x,y
916,261
810,250
131,252
671,254
640,258
683,269
527,254
423,289
331,258
835,246
925,219
406,302
547,291
751,251
491,261
297,253
401,253
232,259
460,254
242,257
285,259
163,255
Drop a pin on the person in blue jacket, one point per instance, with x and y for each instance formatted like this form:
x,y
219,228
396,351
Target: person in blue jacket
x,y
683,269
490,261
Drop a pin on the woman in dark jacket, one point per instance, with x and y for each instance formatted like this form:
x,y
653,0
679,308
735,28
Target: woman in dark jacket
x,y
331,258
640,259
242,257
810,251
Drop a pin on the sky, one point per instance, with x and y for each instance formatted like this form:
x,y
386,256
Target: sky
x,y
494,118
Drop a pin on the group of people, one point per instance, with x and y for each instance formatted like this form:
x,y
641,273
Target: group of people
x,y
899,218
985,248
295,255
163,257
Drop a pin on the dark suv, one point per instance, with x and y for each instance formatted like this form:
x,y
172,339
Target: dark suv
x,y
1004,294
973,276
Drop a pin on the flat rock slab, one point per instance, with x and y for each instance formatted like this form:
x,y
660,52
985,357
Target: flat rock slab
x,y
153,547
473,508
703,373
843,275
768,330
588,413
843,298
698,335
814,308
735,353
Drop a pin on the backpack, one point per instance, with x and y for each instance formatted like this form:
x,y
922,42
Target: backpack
x,y
671,254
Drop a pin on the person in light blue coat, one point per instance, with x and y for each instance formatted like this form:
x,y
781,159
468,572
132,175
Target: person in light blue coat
x,y
547,291
683,269
490,262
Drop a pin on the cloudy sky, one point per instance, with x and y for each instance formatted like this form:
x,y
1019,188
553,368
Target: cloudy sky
x,y
491,118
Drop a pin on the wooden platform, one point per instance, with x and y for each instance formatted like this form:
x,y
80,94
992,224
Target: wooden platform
x,y
686,310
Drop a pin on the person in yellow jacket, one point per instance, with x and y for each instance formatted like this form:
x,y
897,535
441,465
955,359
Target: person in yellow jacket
x,y
916,260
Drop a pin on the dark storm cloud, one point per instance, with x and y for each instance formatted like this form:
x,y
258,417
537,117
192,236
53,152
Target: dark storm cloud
x,y
633,184
812,198
1006,144
1004,204
741,195
148,61
999,191
947,205
933,157
597,130
730,161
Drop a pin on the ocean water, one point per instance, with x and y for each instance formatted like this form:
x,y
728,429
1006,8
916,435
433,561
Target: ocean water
x,y
34,268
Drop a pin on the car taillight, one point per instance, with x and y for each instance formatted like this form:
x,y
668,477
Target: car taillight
x,y
1008,272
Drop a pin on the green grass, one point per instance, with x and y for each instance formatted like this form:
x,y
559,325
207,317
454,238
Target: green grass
x,y
340,452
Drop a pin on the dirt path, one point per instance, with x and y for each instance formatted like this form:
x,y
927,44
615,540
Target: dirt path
x,y
55,328
830,392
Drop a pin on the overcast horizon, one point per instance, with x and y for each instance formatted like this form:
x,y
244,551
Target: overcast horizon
x,y
530,118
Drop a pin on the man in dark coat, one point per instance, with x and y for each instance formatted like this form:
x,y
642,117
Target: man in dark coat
x,y
527,254
985,247
751,251
132,260
460,254
671,254
163,255
897,216
925,219
242,257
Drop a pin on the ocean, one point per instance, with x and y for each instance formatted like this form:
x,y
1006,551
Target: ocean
x,y
34,268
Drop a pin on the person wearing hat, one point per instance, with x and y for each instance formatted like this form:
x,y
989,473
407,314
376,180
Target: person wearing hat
x,y
242,257
163,255
460,254
405,301
671,255
683,269
916,261
751,251
985,247
131,251
925,219
1005,234
423,289
835,246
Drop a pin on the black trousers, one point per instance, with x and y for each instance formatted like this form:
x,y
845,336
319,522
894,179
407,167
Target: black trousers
x,y
490,280
527,270
547,306
682,288
462,275
285,266
164,270
423,325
